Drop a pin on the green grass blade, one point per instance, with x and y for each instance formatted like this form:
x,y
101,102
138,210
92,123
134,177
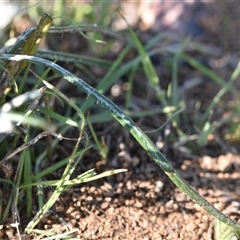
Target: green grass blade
x,y
236,73
33,121
74,58
136,132
153,40
209,73
88,176
109,78
175,94
58,117
101,146
28,181
58,191
148,68
130,83
53,167
87,28
7,209
204,119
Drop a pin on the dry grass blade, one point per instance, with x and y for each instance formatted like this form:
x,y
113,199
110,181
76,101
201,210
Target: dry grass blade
x,y
28,43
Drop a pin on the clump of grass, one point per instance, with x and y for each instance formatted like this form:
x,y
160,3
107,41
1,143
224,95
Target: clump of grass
x,y
171,102
21,184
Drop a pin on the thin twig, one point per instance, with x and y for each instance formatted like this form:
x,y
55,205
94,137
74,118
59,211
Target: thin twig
x,y
32,142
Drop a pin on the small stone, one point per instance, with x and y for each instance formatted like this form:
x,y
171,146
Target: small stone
x,y
224,163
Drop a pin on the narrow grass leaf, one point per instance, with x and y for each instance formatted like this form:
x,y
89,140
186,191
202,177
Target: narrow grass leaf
x,y
28,181
88,176
130,88
220,94
136,132
102,147
148,68
208,72
28,120
153,40
174,90
73,58
58,117
113,74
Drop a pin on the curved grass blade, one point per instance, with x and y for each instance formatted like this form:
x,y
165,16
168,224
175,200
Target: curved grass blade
x,y
88,176
136,132
73,58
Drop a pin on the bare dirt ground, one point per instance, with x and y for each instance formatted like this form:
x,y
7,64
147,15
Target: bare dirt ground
x,y
143,203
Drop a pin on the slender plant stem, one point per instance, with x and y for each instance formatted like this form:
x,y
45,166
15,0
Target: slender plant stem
x,y
136,132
